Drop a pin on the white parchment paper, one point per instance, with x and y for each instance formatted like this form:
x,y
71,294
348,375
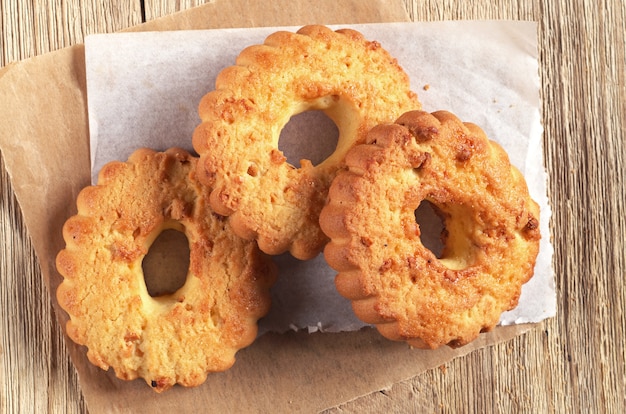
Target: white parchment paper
x,y
144,88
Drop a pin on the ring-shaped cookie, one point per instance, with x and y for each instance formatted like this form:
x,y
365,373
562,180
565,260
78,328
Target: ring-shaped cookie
x,y
355,82
176,338
491,236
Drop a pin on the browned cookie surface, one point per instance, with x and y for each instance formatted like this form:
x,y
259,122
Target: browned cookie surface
x,y
174,338
353,80
491,236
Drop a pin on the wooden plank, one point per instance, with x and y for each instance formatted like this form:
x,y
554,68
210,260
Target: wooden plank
x,y
572,363
35,371
159,8
31,28
36,374
550,369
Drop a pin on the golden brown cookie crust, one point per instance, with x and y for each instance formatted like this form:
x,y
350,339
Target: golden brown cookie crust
x,y
353,80
491,236
169,339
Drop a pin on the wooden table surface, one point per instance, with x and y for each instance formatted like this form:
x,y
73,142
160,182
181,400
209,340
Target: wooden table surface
x,y
574,362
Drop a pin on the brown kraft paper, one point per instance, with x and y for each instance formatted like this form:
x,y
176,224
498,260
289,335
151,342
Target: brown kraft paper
x,y
44,141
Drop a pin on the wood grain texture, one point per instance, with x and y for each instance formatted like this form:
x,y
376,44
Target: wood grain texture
x,y
159,8
572,363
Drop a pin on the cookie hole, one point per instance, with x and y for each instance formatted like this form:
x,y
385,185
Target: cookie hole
x,y
309,135
431,227
166,265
